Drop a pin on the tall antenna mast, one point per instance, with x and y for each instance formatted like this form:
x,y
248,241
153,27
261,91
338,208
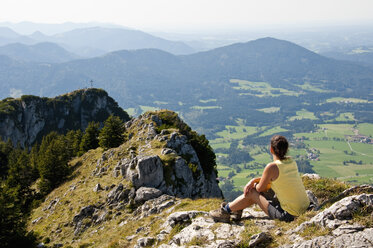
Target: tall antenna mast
x,y
91,83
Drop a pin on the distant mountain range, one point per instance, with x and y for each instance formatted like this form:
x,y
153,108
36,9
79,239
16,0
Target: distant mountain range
x,y
143,76
97,41
363,58
41,52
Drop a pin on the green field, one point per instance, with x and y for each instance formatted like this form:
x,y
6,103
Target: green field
x,y
303,114
365,129
205,107
148,108
345,117
269,110
346,100
207,100
308,87
160,103
329,140
237,132
272,131
262,89
131,111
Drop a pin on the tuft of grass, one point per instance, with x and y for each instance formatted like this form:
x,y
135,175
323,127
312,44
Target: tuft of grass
x,y
314,230
364,216
286,226
176,229
325,188
198,241
250,229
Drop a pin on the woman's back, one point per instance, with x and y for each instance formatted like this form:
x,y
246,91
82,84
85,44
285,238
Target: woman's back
x,y
289,188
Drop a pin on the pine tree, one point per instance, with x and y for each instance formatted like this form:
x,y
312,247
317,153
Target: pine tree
x,y
5,149
90,137
13,221
20,172
73,140
111,135
52,161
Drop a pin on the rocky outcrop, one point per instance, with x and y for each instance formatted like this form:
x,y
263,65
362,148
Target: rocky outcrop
x,y
176,170
29,118
337,218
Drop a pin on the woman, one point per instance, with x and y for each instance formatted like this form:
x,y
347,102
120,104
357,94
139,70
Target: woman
x,y
282,174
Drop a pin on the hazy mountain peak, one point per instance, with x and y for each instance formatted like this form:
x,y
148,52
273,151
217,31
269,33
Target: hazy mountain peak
x,y
8,33
47,52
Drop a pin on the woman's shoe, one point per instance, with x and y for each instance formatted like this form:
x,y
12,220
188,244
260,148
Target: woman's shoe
x,y
220,215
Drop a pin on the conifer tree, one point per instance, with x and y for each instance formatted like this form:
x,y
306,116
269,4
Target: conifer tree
x,y
111,135
13,221
73,139
5,149
20,172
90,137
52,161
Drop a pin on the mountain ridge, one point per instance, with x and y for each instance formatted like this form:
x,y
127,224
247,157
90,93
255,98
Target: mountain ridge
x,y
206,66
37,52
27,119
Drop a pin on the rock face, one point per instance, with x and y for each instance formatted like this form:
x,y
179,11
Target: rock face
x,y
177,170
29,118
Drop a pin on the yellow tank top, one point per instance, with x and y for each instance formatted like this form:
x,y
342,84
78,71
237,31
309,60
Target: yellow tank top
x,y
289,188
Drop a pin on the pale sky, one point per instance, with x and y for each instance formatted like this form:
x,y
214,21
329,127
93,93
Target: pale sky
x,y
171,15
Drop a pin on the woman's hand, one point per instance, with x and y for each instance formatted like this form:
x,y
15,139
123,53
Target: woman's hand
x,y
250,185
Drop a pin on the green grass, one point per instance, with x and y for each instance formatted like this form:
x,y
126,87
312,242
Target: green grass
x,y
345,117
207,100
337,130
148,108
333,156
237,132
346,100
131,111
360,50
205,107
272,131
365,129
270,110
160,103
303,114
219,143
363,149
263,89
309,87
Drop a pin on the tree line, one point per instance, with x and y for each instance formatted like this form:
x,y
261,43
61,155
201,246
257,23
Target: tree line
x,y
46,167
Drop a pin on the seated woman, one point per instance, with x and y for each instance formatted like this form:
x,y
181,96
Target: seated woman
x,y
282,174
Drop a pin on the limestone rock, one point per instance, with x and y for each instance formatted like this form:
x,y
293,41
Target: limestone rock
x,y
357,239
313,199
144,242
97,188
117,194
340,210
155,206
52,204
144,171
260,239
145,193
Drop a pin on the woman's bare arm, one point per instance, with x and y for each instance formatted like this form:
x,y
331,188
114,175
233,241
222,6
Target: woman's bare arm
x,y
270,174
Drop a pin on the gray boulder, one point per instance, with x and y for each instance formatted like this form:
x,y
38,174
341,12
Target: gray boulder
x,y
339,211
117,194
97,188
144,194
260,239
145,171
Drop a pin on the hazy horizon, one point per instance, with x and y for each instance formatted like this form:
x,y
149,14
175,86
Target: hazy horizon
x,y
192,16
